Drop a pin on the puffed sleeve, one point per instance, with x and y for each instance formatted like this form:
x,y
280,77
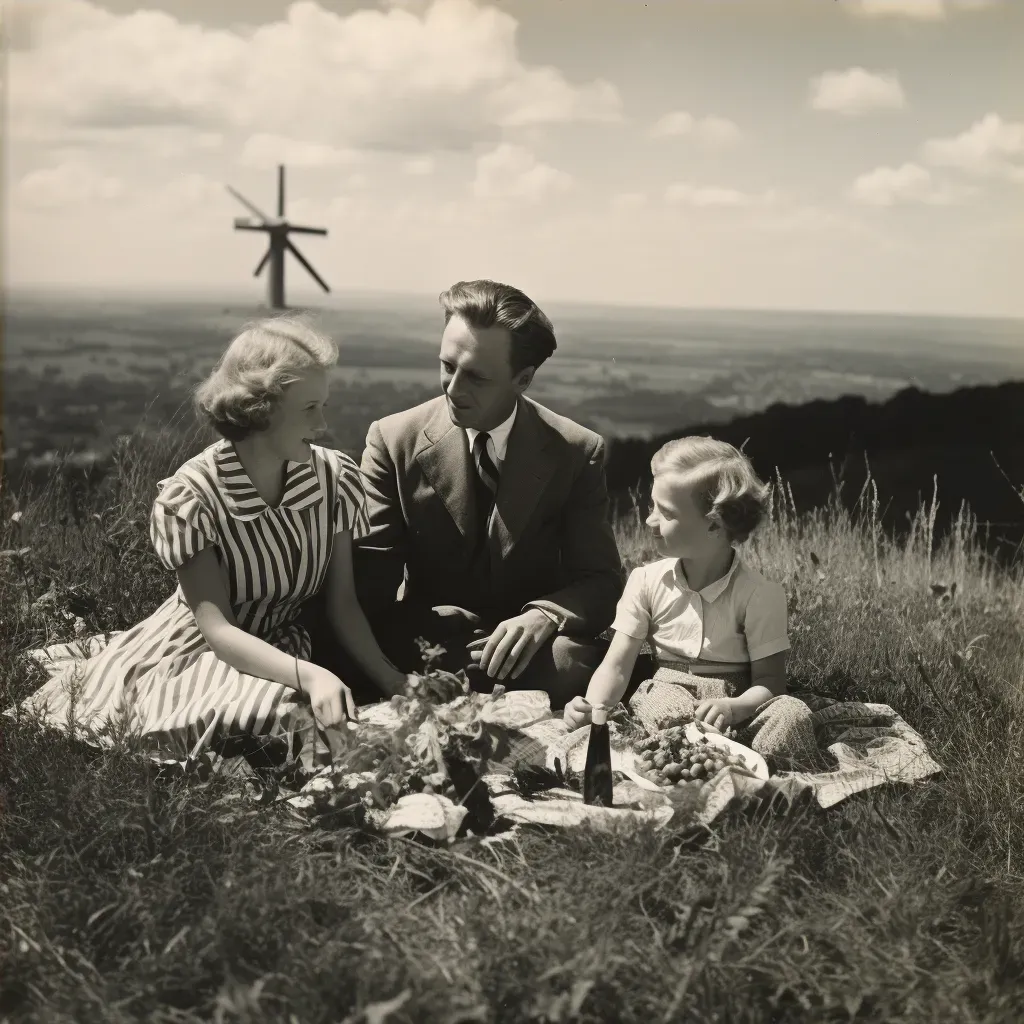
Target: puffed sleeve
x,y
180,525
765,621
350,511
633,611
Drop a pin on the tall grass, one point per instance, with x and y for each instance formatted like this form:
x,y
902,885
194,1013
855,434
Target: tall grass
x,y
125,898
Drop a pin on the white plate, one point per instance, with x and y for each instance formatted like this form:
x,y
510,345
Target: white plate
x,y
628,762
751,758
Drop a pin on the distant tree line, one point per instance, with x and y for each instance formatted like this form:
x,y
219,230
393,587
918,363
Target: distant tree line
x,y
972,439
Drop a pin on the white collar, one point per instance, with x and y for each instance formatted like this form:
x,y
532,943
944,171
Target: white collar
x,y
499,435
713,590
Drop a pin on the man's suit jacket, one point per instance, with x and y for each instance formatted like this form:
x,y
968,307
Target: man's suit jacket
x,y
550,544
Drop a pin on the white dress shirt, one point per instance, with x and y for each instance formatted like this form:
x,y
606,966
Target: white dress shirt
x,y
497,443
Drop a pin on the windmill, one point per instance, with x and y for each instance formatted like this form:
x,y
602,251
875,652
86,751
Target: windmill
x,y
278,229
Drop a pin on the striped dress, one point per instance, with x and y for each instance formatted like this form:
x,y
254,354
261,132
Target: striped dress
x,y
160,680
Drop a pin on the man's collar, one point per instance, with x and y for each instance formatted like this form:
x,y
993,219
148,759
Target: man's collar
x,y
301,487
712,591
499,435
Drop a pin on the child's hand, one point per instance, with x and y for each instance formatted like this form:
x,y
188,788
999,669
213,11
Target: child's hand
x,y
718,713
577,713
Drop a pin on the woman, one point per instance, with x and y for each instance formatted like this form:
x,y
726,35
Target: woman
x,y
253,526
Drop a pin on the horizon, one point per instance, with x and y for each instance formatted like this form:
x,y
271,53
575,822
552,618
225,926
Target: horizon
x,y
257,302
863,156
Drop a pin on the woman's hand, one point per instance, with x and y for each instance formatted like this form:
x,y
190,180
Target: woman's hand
x,y
330,698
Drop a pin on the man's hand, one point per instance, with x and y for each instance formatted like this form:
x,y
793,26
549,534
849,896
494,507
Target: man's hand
x,y
717,713
514,642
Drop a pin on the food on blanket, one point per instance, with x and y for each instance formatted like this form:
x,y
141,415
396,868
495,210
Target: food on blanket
x,y
670,759
441,728
730,732
436,686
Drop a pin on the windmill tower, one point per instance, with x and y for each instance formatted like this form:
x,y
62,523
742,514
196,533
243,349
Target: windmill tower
x,y
278,229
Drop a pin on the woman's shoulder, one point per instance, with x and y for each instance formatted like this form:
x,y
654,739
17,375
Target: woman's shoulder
x,y
338,464
194,480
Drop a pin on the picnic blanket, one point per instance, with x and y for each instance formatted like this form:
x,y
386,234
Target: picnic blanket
x,y
869,744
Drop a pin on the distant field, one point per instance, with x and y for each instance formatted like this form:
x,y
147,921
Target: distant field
x,y
78,372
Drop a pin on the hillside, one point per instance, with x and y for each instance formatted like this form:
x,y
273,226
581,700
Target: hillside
x,y
130,896
908,441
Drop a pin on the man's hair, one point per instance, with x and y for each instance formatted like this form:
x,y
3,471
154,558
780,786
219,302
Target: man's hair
x,y
725,485
490,304
239,395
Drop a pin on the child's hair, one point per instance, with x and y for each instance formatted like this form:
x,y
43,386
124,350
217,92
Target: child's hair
x,y
726,486
239,395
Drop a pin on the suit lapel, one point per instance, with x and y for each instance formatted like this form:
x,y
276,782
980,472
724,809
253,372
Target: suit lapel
x,y
529,464
447,464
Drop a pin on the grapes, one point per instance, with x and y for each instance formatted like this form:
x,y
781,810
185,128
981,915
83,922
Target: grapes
x,y
671,760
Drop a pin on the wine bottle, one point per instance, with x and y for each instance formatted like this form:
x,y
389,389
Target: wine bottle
x,y
597,774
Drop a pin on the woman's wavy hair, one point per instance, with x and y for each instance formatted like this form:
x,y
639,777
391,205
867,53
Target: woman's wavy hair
x,y
726,487
239,396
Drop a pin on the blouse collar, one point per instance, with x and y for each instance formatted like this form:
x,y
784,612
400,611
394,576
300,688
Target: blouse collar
x,y
301,487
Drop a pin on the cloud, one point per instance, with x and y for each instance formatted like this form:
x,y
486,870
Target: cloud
x,y
264,150
449,75
185,194
920,10
709,131
513,172
71,183
682,193
991,147
909,183
420,166
806,218
629,201
856,91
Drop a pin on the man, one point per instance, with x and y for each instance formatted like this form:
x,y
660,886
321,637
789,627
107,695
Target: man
x,y
492,510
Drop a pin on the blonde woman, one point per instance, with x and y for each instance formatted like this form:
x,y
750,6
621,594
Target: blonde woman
x,y
253,526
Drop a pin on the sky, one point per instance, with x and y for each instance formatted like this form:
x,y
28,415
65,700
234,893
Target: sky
x,y
856,155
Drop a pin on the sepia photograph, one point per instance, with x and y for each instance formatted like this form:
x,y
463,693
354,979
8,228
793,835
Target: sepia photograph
x,y
511,511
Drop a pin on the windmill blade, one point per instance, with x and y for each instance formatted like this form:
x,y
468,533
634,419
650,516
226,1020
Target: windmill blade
x,y
301,230
302,259
280,190
245,202
262,263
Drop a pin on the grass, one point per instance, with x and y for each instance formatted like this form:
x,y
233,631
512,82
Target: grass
x,y
126,898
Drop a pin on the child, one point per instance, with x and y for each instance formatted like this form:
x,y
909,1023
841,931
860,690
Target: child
x,y
701,608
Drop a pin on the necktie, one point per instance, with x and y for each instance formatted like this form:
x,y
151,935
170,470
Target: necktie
x,y
487,482
485,466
